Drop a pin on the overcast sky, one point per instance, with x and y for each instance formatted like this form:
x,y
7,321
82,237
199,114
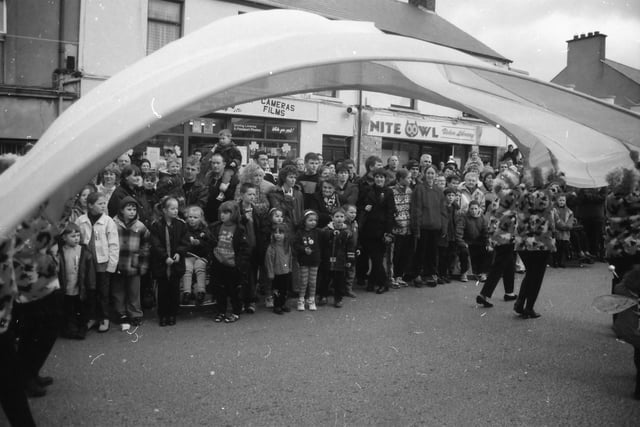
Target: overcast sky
x,y
533,33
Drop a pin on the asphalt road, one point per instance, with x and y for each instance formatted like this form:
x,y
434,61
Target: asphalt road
x,y
426,356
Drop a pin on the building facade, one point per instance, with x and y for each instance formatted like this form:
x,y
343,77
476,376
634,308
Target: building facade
x,y
52,55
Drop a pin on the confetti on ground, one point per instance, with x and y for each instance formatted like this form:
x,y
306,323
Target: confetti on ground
x,y
268,354
394,348
483,314
212,373
97,357
359,386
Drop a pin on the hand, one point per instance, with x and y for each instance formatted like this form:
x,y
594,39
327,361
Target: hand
x,y
169,261
368,208
223,187
348,265
307,250
388,238
176,258
195,242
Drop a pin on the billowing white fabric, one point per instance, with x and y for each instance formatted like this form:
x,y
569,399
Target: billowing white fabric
x,y
274,53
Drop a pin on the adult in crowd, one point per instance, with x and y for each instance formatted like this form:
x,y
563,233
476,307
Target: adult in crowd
x,y
426,161
589,211
534,238
287,197
345,188
129,186
108,180
123,161
393,164
309,180
195,191
474,163
213,182
512,153
262,159
254,174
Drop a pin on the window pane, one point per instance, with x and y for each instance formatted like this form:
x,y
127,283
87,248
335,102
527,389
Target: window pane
x,y
398,101
284,130
247,128
164,11
161,34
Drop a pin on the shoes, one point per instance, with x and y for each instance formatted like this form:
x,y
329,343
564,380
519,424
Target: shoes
x,y
231,318
268,302
91,324
350,294
171,320
163,321
338,303
251,308
33,389
136,321
285,308
200,298
219,318
43,381
418,282
518,307
483,277
382,289
440,281
530,314
125,323
278,310
186,298
510,297
401,283
311,302
300,304
483,301
464,278
104,325
322,301
432,282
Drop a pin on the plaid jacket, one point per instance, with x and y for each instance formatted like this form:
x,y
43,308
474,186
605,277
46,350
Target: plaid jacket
x,y
134,248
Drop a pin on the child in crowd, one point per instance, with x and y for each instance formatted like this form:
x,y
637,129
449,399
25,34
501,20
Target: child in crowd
x,y
447,243
278,261
169,242
170,183
253,225
132,263
338,253
100,234
230,261
148,198
77,278
196,256
564,223
232,158
275,217
307,249
402,239
351,213
472,240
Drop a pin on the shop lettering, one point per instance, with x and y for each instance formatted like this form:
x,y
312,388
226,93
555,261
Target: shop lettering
x,y
276,107
396,129
458,133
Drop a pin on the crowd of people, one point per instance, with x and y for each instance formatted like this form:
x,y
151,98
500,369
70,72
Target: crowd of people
x,y
208,231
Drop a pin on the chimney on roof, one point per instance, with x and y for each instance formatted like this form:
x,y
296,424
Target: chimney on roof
x,y
586,48
429,5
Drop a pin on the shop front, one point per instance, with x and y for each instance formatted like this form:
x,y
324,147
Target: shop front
x,y
409,137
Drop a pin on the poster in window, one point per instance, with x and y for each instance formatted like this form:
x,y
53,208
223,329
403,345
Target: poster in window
x,y
247,128
285,130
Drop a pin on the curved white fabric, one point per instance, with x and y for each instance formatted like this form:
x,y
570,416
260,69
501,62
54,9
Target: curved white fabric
x,y
272,53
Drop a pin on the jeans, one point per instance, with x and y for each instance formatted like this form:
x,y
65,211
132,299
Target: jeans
x,y
199,267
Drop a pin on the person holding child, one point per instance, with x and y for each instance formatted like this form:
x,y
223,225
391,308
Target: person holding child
x,y
232,160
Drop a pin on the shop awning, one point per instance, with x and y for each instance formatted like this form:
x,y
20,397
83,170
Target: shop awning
x,y
273,53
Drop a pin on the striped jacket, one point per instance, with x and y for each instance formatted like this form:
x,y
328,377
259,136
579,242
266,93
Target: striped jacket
x,y
134,247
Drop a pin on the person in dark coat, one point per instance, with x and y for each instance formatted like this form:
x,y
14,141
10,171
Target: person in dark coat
x,y
326,201
215,183
130,182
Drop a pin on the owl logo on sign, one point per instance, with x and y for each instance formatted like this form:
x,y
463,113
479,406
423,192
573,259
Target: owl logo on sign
x,y
411,129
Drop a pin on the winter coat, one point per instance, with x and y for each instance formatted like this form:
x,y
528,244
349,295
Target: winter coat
x,y
106,239
338,248
471,231
203,235
178,244
196,194
307,239
428,209
134,247
402,215
86,272
564,222
317,203
278,260
349,192
121,191
213,183
380,219
622,231
292,206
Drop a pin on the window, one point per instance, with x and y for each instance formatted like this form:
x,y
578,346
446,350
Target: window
x,y
3,17
165,23
327,93
400,102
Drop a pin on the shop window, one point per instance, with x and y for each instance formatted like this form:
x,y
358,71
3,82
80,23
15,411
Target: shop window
x,y
282,130
336,148
400,102
247,128
164,23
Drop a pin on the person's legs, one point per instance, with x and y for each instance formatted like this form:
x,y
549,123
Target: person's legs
x,y
431,255
132,288
103,287
236,284
13,398
463,256
187,279
200,269
536,263
118,284
503,258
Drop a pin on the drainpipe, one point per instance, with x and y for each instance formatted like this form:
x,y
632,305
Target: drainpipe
x,y
359,130
61,58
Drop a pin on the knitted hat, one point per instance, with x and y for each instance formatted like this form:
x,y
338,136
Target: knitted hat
x,y
129,201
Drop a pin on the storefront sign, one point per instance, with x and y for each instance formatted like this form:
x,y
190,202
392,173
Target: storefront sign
x,y
409,128
278,108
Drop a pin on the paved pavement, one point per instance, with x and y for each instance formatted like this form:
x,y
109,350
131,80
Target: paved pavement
x,y
425,356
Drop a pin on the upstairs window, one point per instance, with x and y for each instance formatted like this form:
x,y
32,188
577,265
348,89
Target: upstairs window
x,y
165,23
3,17
400,102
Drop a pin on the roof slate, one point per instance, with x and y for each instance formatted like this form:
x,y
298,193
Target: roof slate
x,y
629,72
394,17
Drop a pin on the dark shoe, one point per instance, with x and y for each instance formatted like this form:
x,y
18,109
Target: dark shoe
x,y
338,303
322,301
446,279
186,298
418,282
518,307
277,310
440,281
530,314
200,298
482,300
219,318
44,381
171,320
163,321
232,318
432,283
508,297
250,308
350,294
136,321
32,389
286,309
382,289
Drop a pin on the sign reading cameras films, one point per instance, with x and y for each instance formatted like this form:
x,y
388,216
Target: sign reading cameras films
x,y
281,108
410,128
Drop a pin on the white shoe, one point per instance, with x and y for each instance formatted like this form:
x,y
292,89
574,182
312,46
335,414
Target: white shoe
x,y
125,326
301,304
104,325
312,304
268,302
